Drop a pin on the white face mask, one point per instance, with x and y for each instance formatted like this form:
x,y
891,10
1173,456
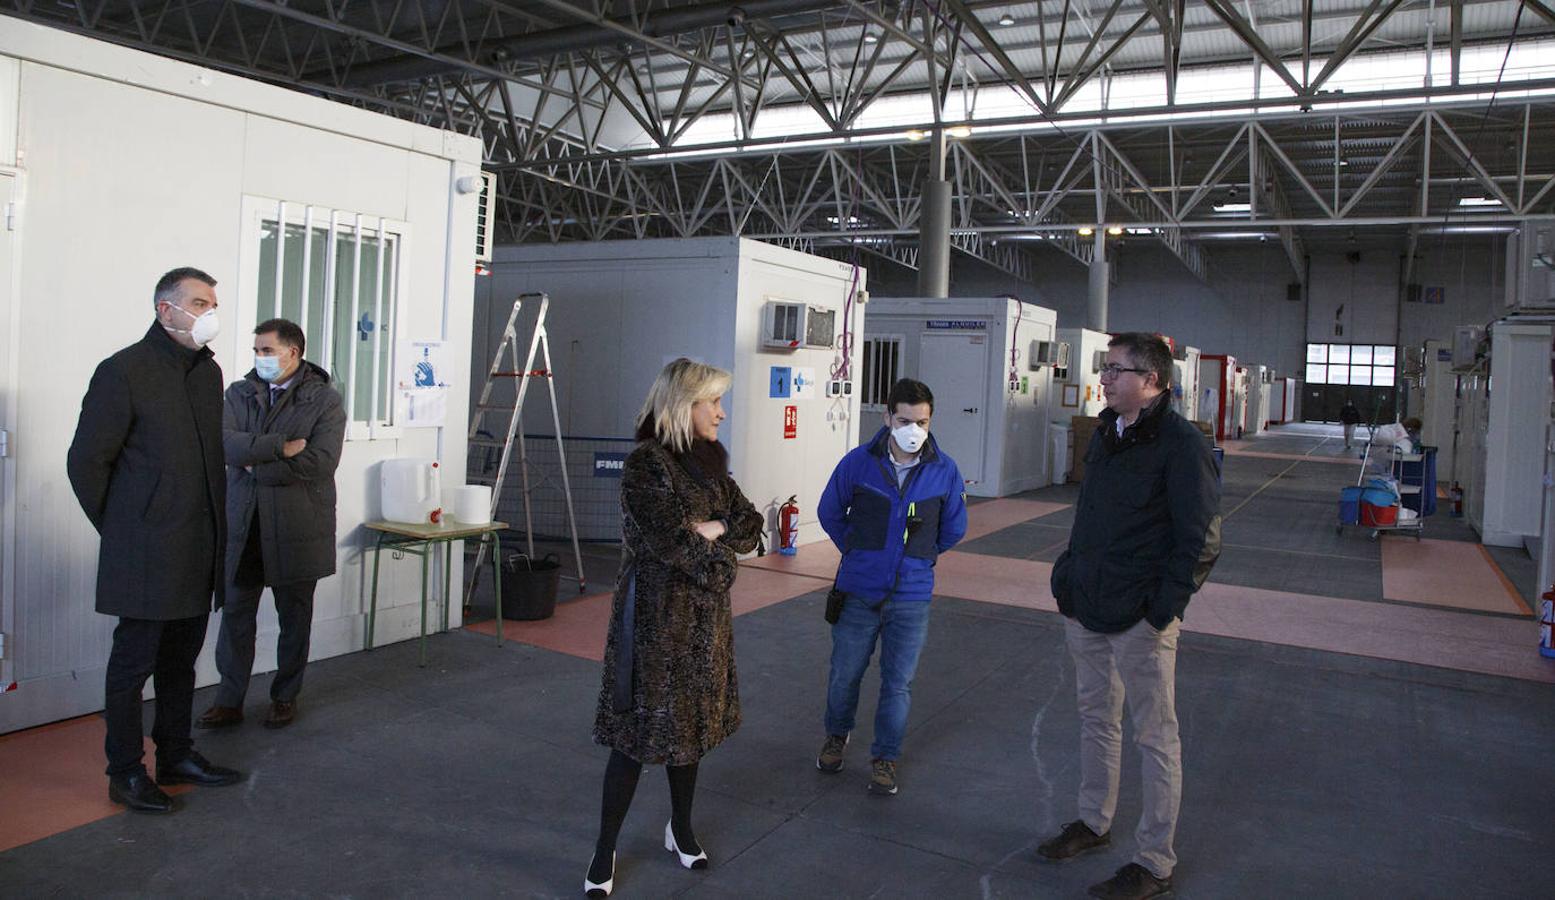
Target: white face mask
x,y
910,437
205,328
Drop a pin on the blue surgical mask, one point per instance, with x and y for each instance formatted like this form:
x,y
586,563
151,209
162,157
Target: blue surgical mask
x,y
267,367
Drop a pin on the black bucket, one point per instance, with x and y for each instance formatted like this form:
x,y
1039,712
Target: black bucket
x,y
529,587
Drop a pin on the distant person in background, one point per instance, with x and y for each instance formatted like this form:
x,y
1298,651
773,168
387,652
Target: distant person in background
x,y
283,431
669,693
146,466
1349,417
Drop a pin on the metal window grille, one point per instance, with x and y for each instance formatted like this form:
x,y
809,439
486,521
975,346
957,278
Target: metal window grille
x,y
882,368
336,274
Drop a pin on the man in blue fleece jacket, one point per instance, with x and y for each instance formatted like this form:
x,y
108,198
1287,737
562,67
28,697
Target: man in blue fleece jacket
x,y
892,506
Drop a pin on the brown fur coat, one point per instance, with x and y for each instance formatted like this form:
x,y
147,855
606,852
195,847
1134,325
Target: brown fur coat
x,y
675,697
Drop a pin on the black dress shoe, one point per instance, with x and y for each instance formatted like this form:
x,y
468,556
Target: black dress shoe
x,y
196,769
139,793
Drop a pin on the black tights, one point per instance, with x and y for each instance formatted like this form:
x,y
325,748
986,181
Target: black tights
x,y
621,775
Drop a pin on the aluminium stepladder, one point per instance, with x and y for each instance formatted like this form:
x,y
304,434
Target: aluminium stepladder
x,y
478,436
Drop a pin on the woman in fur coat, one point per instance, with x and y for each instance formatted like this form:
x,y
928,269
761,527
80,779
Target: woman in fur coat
x,y
669,693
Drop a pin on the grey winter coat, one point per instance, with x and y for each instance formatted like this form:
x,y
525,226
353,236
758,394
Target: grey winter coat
x,y
294,498
145,465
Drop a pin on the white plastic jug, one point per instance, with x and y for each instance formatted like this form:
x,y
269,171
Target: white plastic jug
x,y
410,490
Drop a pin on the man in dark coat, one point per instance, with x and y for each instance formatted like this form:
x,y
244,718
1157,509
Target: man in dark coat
x,y
283,430
146,466
1349,417
1146,532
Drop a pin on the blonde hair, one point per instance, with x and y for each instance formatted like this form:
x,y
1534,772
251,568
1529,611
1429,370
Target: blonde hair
x,y
680,385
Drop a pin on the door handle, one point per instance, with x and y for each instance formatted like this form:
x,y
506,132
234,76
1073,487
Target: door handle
x,y
970,409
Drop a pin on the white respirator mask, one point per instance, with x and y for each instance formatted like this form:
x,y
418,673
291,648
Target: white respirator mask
x,y
910,437
205,328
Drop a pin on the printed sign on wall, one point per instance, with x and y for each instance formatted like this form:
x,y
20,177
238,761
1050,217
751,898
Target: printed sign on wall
x,y
804,384
780,382
609,465
790,422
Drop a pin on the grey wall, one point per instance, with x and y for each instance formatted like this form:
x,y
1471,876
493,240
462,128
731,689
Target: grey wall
x,y
1242,310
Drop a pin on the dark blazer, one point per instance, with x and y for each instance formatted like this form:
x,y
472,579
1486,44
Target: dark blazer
x,y
146,466
1146,526
294,498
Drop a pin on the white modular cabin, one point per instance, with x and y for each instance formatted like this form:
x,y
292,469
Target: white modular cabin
x,y
1077,391
116,166
620,310
990,364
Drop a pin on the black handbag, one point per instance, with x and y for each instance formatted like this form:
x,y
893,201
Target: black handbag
x,y
834,600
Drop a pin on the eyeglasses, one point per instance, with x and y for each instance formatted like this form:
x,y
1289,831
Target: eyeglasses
x,y
1113,370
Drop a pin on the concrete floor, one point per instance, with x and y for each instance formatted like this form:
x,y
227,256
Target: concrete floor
x,y
1307,773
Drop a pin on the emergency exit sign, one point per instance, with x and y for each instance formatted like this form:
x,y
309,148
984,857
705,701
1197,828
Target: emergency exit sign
x,y
790,422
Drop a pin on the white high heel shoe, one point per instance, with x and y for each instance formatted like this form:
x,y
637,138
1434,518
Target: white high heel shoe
x,y
603,888
699,861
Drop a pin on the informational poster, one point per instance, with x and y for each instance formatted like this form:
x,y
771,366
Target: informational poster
x,y
790,422
421,384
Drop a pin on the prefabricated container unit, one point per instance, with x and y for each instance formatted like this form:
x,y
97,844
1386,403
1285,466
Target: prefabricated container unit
x,y
1502,434
1087,354
1530,274
1185,382
782,322
1258,380
1217,385
990,363
116,166
1282,400
1438,409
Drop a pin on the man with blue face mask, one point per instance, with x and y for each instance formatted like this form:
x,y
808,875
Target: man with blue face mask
x,y
145,465
283,431
892,506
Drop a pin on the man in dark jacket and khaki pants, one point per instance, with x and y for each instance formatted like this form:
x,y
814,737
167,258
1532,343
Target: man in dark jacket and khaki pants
x,y
1146,532
283,430
146,465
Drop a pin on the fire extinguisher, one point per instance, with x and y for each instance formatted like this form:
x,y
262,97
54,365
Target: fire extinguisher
x,y
1456,496
1547,623
788,526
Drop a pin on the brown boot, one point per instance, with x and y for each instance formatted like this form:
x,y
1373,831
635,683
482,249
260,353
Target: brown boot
x,y
281,714
220,717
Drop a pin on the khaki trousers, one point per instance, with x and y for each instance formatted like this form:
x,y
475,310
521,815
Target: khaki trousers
x,y
1139,664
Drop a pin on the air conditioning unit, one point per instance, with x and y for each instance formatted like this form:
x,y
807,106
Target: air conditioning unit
x,y
788,326
486,218
1467,342
1048,353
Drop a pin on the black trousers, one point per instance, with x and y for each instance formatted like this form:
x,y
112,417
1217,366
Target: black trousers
x,y
146,648
235,644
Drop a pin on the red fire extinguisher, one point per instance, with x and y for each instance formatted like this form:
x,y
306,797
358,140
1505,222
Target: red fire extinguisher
x,y
788,526
1456,496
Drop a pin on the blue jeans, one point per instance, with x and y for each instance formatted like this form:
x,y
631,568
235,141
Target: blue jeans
x,y
901,629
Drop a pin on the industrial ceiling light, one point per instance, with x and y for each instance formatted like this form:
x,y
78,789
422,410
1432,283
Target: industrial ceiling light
x,y
1115,230
1479,201
1006,20
959,131
914,134
1233,207
871,38
1087,231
